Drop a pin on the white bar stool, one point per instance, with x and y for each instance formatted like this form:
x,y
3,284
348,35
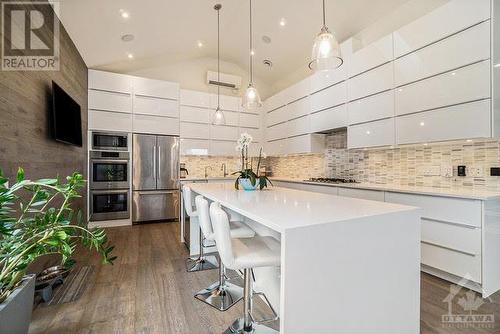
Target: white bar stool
x,y
244,254
221,295
202,262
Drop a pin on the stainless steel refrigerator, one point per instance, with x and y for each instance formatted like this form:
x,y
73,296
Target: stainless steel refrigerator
x,y
155,178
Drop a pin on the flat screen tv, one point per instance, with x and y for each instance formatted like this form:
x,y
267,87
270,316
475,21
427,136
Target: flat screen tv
x,y
66,117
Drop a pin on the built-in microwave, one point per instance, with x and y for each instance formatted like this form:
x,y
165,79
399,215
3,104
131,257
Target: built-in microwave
x,y
109,170
109,204
110,141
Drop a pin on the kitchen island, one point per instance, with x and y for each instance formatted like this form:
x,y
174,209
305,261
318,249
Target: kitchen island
x,y
347,265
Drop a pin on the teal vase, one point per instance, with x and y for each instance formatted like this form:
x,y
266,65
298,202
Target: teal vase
x,y
247,185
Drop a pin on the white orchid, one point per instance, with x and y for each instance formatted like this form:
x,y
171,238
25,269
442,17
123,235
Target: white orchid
x,y
245,140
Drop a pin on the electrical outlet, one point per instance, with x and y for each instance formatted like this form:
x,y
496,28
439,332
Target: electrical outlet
x,y
447,171
475,171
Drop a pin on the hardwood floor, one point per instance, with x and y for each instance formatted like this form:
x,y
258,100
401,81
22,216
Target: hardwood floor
x,y
149,291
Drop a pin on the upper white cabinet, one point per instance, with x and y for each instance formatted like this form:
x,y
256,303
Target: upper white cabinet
x,y
230,103
310,143
372,134
194,114
444,21
299,126
194,130
104,121
109,81
465,84
278,131
466,47
299,108
155,88
249,121
371,56
371,82
297,91
155,125
222,132
194,98
329,97
328,119
371,108
156,106
277,116
323,79
109,101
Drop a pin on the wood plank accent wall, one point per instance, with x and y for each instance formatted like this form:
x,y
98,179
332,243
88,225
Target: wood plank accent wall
x,y
25,103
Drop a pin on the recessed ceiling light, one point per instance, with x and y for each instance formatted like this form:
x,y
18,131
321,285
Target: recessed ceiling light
x,y
130,56
200,44
127,38
282,22
124,14
252,53
266,39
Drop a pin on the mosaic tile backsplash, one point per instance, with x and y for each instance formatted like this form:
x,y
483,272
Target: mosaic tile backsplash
x,y
404,165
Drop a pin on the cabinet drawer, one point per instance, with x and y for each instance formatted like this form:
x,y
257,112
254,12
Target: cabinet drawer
x,y
372,134
371,82
108,81
324,79
465,48
156,125
453,236
155,88
277,147
277,116
470,120
249,120
194,98
446,209
456,263
110,121
194,130
194,147
329,97
194,114
371,108
278,131
458,15
224,148
232,118
466,84
299,126
224,133
155,106
371,56
373,195
329,119
299,108
110,101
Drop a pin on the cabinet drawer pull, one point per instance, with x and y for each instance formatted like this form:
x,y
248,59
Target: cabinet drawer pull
x,y
450,223
448,248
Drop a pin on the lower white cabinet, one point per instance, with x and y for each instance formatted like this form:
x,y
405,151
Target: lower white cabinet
x,y
374,195
372,134
307,187
155,125
469,120
110,121
456,237
194,147
329,119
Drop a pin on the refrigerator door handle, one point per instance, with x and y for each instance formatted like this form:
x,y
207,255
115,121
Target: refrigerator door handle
x,y
154,162
159,161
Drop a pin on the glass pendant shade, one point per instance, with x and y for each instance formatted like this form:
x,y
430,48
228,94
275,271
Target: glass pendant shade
x,y
326,53
218,118
251,99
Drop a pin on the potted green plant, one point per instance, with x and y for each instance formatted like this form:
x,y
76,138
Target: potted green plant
x,y
32,225
247,178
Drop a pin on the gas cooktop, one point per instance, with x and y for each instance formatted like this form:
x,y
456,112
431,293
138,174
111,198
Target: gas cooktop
x,y
330,180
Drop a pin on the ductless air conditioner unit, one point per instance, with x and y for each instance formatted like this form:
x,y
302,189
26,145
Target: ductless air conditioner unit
x,y
226,80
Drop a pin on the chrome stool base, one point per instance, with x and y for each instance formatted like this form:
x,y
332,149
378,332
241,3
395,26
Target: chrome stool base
x,y
221,297
208,262
238,327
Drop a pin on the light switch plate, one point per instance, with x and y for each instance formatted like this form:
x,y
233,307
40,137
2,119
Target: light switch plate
x,y
446,170
475,171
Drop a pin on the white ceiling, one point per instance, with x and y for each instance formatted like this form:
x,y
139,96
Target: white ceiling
x,y
167,31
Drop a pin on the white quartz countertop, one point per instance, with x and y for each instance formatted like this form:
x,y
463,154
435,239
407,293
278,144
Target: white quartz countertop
x,y
444,192
209,178
282,208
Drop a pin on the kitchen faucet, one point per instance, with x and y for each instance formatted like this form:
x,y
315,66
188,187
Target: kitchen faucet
x,y
206,173
223,169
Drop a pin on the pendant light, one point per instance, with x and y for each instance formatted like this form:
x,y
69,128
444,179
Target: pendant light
x,y
326,53
218,118
251,99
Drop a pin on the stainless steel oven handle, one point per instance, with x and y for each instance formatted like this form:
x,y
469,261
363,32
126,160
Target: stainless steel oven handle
x,y
108,161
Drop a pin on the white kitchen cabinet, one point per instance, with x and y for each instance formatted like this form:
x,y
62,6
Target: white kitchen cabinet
x,y
465,84
466,47
299,126
444,21
194,130
277,116
222,132
155,125
275,101
329,119
374,81
194,147
470,120
109,121
299,108
249,120
155,88
194,114
452,236
306,187
372,134
222,148
371,108
112,82
278,131
371,56
329,97
229,103
194,98
232,118
373,195
156,106
297,91
276,147
110,101
324,79
310,143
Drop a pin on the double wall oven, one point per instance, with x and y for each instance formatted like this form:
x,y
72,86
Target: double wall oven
x,y
109,173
